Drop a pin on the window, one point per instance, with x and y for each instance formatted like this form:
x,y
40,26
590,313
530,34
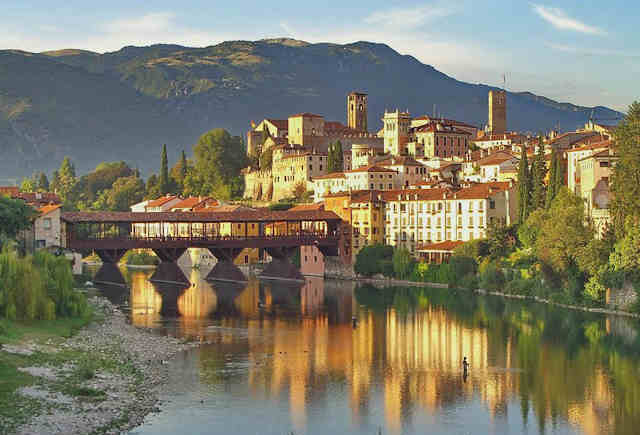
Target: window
x,y
246,259
403,207
480,221
604,164
321,167
47,223
492,204
315,258
371,186
40,244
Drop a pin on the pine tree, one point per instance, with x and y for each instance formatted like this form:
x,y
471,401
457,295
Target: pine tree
x,y
553,174
164,172
524,187
66,180
539,171
559,179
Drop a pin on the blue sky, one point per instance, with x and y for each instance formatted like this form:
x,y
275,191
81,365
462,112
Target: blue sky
x,y
580,51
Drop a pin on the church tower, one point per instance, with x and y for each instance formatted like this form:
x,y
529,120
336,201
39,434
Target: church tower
x,y
497,112
357,111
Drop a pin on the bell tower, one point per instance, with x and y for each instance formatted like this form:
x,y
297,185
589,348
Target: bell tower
x,y
357,111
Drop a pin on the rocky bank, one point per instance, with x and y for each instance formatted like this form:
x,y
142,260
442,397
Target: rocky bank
x,y
104,380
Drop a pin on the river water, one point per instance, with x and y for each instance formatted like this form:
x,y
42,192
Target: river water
x,y
284,358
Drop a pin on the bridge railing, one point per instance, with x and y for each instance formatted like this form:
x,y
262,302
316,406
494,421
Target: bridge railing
x,y
209,238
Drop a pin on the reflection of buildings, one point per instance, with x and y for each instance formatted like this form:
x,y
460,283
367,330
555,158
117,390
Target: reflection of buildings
x,y
301,348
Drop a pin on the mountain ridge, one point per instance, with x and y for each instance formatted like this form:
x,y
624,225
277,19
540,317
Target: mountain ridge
x,y
125,104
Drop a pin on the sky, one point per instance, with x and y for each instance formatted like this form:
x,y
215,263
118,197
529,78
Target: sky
x,y
579,51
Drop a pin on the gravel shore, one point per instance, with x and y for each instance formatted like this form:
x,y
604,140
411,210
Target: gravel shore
x,y
127,367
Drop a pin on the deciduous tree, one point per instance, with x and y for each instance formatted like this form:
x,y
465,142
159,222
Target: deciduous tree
x,y
625,179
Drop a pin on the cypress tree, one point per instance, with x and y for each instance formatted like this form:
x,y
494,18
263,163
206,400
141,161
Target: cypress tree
x,y
164,171
524,187
559,181
183,166
334,158
553,173
43,182
539,171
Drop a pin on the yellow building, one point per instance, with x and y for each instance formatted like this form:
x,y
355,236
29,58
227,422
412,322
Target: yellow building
x,y
367,219
593,187
294,170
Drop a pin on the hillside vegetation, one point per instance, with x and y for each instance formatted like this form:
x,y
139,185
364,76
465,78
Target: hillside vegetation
x,y
123,105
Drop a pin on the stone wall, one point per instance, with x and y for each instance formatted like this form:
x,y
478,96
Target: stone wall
x,y
258,185
623,298
334,267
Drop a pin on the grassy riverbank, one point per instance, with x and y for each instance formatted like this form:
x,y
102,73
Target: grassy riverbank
x,y
23,345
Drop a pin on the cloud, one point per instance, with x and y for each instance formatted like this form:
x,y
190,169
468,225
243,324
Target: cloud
x,y
409,18
149,23
560,20
591,51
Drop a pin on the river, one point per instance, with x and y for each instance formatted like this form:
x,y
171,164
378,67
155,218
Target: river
x,y
282,358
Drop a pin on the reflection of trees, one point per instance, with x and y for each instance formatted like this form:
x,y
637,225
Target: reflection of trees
x,y
569,367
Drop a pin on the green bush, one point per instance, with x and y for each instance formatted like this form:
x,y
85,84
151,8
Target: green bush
x,y
520,286
431,272
491,278
58,280
369,261
141,258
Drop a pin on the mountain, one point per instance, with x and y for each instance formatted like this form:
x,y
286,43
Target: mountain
x,y
124,105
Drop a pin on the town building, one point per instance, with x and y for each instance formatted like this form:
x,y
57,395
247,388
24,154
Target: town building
x,y
574,156
439,139
499,166
367,219
295,171
497,112
372,177
592,185
409,170
415,217
47,227
357,111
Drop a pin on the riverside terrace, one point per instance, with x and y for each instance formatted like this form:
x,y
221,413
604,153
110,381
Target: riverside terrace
x,y
225,234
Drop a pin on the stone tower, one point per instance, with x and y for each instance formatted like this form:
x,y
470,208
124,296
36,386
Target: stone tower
x,y
357,111
396,131
497,112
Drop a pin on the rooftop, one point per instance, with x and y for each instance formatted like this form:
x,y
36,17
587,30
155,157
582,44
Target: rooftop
x,y
249,215
446,246
330,176
371,168
44,210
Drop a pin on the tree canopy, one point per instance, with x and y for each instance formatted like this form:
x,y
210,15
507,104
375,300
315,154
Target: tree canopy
x,y
15,216
219,157
335,158
625,179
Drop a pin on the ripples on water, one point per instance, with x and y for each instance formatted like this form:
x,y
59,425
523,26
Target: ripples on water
x,y
281,359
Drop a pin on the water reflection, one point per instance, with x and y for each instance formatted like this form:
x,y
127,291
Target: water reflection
x,y
291,349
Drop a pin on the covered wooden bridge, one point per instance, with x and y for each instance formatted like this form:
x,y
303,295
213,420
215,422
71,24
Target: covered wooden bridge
x,y
225,234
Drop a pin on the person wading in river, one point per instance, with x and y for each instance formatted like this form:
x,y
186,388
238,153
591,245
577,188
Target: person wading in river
x,y
465,365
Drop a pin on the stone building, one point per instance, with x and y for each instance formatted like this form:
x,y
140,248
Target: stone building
x,y
497,112
47,228
357,111
295,170
396,128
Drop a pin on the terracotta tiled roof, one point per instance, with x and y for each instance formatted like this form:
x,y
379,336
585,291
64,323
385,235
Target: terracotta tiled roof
x,y
161,201
9,190
306,115
481,190
37,198
446,246
234,216
48,209
496,158
330,176
371,168
566,140
307,207
446,129
593,146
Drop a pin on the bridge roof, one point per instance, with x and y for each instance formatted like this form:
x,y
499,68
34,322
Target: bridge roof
x,y
233,216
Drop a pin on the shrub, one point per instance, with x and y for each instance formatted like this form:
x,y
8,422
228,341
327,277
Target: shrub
x,y
492,278
58,280
403,263
141,258
368,261
594,291
386,268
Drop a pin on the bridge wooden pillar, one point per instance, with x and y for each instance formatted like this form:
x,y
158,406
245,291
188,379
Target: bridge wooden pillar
x,y
225,269
281,266
110,255
169,255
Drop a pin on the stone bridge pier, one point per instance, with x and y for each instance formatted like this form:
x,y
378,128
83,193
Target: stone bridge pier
x,y
281,266
225,269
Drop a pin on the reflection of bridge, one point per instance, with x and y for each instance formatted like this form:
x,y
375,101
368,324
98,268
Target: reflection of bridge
x,y
224,234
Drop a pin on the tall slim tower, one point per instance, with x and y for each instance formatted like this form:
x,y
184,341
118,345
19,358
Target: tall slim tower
x,y
396,132
357,111
497,112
